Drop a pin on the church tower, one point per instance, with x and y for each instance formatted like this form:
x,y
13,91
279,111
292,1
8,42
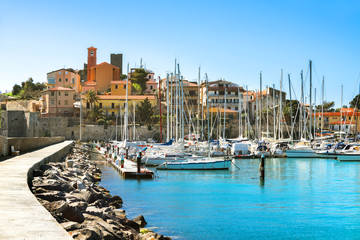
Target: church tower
x,y
91,60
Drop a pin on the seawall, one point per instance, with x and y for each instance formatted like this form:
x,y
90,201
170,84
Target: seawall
x,y
22,216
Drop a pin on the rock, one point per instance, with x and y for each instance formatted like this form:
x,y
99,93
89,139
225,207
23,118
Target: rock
x,y
70,226
51,196
54,185
140,220
80,205
56,207
92,210
37,173
86,234
73,214
80,185
119,213
82,195
69,163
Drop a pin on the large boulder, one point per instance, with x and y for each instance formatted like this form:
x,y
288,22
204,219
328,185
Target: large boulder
x,y
53,185
140,220
56,207
51,196
71,226
73,214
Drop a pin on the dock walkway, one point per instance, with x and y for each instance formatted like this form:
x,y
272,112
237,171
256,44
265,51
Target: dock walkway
x,y
21,215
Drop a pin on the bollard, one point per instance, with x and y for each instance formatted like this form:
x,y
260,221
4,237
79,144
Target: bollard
x,y
262,167
138,163
127,153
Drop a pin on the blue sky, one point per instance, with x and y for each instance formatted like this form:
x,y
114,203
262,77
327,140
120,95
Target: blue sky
x,y
234,40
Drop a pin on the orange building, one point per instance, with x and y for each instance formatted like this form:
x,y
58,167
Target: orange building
x,y
99,76
58,101
347,118
63,78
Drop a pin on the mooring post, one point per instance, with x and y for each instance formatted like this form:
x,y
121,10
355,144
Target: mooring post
x,y
138,163
127,153
262,167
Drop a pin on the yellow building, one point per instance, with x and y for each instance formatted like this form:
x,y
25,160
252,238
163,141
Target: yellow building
x,y
114,104
119,88
348,118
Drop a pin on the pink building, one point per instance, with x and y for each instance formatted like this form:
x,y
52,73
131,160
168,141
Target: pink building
x,y
58,101
63,78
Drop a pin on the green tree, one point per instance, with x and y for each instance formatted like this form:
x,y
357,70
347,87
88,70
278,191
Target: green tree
x,y
355,102
123,76
145,111
139,77
91,97
327,106
16,89
83,73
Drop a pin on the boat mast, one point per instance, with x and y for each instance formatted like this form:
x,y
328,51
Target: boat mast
x,y
280,113
315,114
267,111
240,112
322,106
274,111
126,105
291,119
198,106
207,109
310,137
167,109
134,121
176,104
248,111
224,113
341,120
302,120
171,105
260,108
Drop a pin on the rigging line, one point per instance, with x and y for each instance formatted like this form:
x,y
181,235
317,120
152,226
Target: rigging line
x,y
356,89
316,75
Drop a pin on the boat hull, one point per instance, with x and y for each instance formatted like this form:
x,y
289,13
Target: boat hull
x,y
196,165
348,157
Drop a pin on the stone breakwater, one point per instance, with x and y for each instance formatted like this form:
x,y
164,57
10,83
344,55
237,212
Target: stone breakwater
x,y
85,210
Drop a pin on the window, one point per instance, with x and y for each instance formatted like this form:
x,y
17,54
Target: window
x,y
151,87
59,94
116,86
100,105
236,108
73,80
59,102
112,105
215,92
87,105
59,73
66,93
113,114
221,92
124,86
52,102
66,73
124,105
66,80
52,94
59,79
66,102
236,93
192,93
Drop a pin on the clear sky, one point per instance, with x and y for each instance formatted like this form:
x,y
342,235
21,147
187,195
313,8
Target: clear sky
x,y
234,40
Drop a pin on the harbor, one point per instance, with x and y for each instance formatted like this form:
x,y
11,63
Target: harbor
x,y
300,198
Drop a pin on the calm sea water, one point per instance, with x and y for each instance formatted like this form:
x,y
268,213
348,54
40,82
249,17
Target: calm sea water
x,y
300,199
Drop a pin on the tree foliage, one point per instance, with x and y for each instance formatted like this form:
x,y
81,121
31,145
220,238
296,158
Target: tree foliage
x,y
145,111
91,97
328,106
123,76
138,76
355,102
83,73
28,89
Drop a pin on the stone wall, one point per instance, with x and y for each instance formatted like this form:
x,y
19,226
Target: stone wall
x,y
3,146
25,144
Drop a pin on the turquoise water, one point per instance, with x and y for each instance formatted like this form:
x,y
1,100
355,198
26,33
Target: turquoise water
x,y
300,199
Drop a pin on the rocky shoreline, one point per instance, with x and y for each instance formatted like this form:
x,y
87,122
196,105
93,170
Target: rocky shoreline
x,y
87,211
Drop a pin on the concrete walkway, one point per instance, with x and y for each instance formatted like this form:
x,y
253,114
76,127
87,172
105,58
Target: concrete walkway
x,y
21,215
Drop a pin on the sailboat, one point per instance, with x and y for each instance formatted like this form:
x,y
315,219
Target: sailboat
x,y
201,163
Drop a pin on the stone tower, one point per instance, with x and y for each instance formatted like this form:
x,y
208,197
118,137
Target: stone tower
x,y
117,60
91,60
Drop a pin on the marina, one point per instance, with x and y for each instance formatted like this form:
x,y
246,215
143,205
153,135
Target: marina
x,y
299,199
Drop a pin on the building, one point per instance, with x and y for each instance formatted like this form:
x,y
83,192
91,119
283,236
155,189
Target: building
x,y
114,104
216,94
119,87
348,119
63,78
151,84
58,101
100,76
267,99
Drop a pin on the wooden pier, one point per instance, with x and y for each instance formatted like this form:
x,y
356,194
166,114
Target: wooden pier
x,y
130,170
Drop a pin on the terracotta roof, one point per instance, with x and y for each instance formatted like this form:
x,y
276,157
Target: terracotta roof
x,y
104,64
123,97
341,122
59,89
222,110
92,47
90,83
151,82
344,113
120,82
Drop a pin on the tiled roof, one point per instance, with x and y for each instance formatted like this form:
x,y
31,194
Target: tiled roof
x,y
151,82
120,82
123,97
104,64
214,110
341,122
59,89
